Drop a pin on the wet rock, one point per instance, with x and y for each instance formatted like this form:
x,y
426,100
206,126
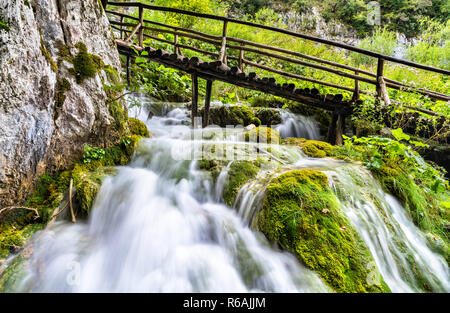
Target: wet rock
x,y
46,116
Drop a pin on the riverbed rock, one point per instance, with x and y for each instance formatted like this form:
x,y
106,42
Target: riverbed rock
x,y
55,60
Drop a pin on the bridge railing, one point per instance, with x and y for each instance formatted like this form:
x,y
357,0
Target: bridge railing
x,y
146,29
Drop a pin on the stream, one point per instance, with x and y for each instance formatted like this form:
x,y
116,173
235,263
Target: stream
x,y
160,224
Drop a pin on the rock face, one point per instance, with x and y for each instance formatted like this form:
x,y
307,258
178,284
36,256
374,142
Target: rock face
x,y
47,113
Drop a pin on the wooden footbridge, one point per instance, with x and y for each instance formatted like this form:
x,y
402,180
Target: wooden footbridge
x,y
134,29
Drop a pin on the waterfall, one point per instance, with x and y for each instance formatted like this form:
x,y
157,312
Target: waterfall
x,y
160,225
399,248
297,126
156,226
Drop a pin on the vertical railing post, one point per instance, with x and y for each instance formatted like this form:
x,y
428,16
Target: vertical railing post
x,y
241,59
128,71
176,49
380,69
194,105
207,102
382,92
223,49
356,92
121,28
141,29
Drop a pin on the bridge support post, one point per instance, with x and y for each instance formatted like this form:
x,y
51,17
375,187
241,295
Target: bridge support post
x,y
356,92
340,126
194,105
223,48
207,102
380,69
336,128
128,71
141,28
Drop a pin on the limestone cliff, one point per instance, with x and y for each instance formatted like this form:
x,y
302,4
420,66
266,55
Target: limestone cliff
x,y
56,57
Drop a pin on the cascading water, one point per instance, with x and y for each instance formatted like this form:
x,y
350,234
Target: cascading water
x,y
400,250
297,126
156,226
159,225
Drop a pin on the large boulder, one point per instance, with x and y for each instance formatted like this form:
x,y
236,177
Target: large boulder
x,y
56,57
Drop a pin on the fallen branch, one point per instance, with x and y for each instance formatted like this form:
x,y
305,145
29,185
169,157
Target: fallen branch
x,y
21,207
70,202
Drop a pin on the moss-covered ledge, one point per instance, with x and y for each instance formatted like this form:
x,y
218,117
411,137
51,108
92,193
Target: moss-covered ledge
x,y
50,195
301,214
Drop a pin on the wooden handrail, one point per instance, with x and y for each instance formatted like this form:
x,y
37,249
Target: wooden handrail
x,y
283,31
223,42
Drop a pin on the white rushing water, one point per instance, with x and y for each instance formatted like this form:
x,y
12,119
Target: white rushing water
x,y
400,250
160,225
298,126
157,226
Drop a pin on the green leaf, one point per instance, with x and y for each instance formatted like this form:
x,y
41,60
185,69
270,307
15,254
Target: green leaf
x,y
399,134
419,144
140,60
438,186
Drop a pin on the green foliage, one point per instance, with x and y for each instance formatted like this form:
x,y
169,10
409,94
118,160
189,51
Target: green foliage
x,y
301,213
433,46
92,153
158,81
204,6
382,41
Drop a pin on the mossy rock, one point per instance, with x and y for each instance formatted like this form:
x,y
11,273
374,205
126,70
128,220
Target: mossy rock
x,y
85,65
137,127
263,135
233,115
268,116
312,148
12,275
238,174
301,213
88,187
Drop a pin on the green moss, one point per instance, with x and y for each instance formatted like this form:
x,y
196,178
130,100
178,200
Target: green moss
x,y
313,148
12,275
4,26
85,65
238,174
116,109
301,213
62,86
137,127
268,116
263,135
233,115
27,3
88,185
48,56
112,74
